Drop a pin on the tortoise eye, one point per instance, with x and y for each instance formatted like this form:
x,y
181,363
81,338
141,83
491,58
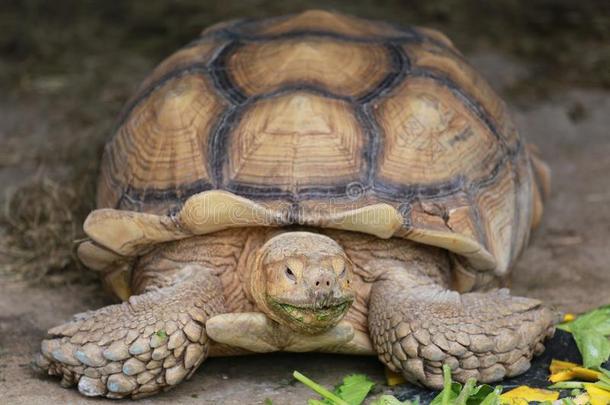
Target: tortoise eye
x,y
343,272
290,274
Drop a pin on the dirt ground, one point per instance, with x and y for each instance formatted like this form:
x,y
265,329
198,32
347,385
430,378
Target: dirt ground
x,y
54,116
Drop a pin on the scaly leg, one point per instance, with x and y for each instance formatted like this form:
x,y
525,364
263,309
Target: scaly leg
x,y
417,326
149,343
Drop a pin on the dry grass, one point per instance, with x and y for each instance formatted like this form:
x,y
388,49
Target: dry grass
x,y
42,220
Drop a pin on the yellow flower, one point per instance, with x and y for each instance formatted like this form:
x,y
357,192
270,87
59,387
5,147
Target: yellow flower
x,y
393,378
524,394
565,371
582,399
559,365
597,396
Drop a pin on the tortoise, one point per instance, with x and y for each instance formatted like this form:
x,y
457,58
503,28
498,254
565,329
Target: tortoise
x,y
311,182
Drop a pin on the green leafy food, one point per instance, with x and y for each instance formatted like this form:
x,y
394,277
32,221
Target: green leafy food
x,y
447,396
464,395
470,394
493,398
593,346
481,392
567,385
598,320
450,390
331,397
604,379
575,392
354,389
454,394
591,331
392,400
603,383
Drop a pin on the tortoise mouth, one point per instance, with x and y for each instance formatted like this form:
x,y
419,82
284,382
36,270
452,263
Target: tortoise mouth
x,y
310,318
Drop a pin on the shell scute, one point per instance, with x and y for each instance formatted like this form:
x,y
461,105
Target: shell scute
x,y
161,146
345,69
321,21
431,137
307,135
450,66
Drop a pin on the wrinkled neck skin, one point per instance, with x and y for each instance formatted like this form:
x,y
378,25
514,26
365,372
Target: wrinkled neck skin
x,y
302,280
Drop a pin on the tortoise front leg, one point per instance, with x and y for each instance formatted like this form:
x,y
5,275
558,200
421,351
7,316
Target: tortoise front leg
x,y
417,326
149,343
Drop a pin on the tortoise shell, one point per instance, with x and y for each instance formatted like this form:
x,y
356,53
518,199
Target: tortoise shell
x,y
319,119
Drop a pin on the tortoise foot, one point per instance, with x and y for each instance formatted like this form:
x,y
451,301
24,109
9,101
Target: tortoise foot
x,y
486,336
147,344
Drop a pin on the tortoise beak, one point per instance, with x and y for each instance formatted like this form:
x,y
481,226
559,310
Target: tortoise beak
x,y
310,319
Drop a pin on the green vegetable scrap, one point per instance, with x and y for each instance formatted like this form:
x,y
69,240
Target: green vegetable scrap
x,y
329,397
356,387
392,400
352,391
591,332
454,393
161,334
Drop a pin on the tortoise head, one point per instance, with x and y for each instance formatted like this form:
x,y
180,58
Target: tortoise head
x,y
303,280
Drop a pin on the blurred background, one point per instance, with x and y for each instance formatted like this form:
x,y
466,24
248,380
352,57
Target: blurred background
x,y
67,67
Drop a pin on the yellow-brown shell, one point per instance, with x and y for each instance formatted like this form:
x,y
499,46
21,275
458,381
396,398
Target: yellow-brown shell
x,y
320,119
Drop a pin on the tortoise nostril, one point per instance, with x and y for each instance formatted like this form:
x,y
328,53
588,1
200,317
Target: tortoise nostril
x,y
323,282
